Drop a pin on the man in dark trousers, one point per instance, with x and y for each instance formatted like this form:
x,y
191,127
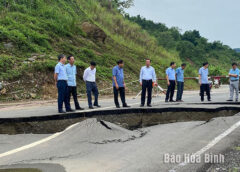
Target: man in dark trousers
x,y
119,84
171,82
180,82
89,77
147,79
203,81
72,84
60,77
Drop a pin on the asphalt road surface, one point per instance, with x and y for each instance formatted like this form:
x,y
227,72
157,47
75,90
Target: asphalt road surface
x,y
90,146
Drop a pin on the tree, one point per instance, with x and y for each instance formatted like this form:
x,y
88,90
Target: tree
x,y
119,4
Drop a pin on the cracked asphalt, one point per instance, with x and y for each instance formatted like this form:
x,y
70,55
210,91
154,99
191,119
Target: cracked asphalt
x,y
91,146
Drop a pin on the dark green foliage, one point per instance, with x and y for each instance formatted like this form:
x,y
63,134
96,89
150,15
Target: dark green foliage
x,y
190,45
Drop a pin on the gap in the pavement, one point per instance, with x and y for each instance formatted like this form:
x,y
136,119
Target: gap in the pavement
x,y
130,120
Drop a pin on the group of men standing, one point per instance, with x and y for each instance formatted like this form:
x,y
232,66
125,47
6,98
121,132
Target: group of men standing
x,y
177,76
65,78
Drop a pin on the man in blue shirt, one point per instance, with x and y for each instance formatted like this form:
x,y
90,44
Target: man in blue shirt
x,y
234,82
119,84
60,77
203,81
180,82
171,81
147,79
72,84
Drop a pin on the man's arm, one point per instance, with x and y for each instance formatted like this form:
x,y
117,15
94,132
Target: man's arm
x,y
56,72
200,77
168,82
85,74
115,81
114,73
154,77
140,77
233,75
55,78
176,74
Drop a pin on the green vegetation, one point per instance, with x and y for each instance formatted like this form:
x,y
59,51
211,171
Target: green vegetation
x,y
191,46
33,33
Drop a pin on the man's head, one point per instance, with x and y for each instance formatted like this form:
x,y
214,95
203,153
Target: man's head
x,y
148,62
70,59
120,63
205,65
183,66
93,65
62,58
234,65
173,65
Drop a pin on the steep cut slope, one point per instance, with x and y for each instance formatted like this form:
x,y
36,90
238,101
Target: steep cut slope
x,y
33,33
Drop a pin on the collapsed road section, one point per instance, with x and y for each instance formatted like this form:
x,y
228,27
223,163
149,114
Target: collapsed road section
x,y
128,118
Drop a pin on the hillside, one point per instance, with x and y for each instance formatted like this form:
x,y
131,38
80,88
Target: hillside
x,y
191,46
33,33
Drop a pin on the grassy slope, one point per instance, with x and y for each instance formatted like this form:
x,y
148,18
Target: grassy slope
x,y
46,28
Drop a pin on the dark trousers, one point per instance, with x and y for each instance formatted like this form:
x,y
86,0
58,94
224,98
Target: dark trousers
x,y
180,88
92,88
146,85
121,90
73,91
205,88
62,95
170,90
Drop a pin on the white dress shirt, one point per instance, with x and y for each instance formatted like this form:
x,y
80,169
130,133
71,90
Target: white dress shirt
x,y
148,73
89,75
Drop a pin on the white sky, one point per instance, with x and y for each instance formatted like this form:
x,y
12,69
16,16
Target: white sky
x,y
215,19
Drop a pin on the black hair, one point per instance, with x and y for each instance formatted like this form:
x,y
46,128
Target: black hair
x,y
93,64
69,57
184,64
172,63
149,60
234,64
61,56
204,64
120,62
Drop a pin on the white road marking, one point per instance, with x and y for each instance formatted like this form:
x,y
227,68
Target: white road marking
x,y
210,145
35,143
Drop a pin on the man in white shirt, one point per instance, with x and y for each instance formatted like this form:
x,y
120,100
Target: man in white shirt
x,y
89,77
147,79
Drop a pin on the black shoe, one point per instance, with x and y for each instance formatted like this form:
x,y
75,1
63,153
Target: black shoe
x,y
141,105
202,100
236,100
79,108
126,106
117,106
209,100
61,111
90,107
229,100
149,105
166,101
97,106
70,110
172,101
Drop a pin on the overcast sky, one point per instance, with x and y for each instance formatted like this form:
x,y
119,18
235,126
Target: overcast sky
x,y
215,19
